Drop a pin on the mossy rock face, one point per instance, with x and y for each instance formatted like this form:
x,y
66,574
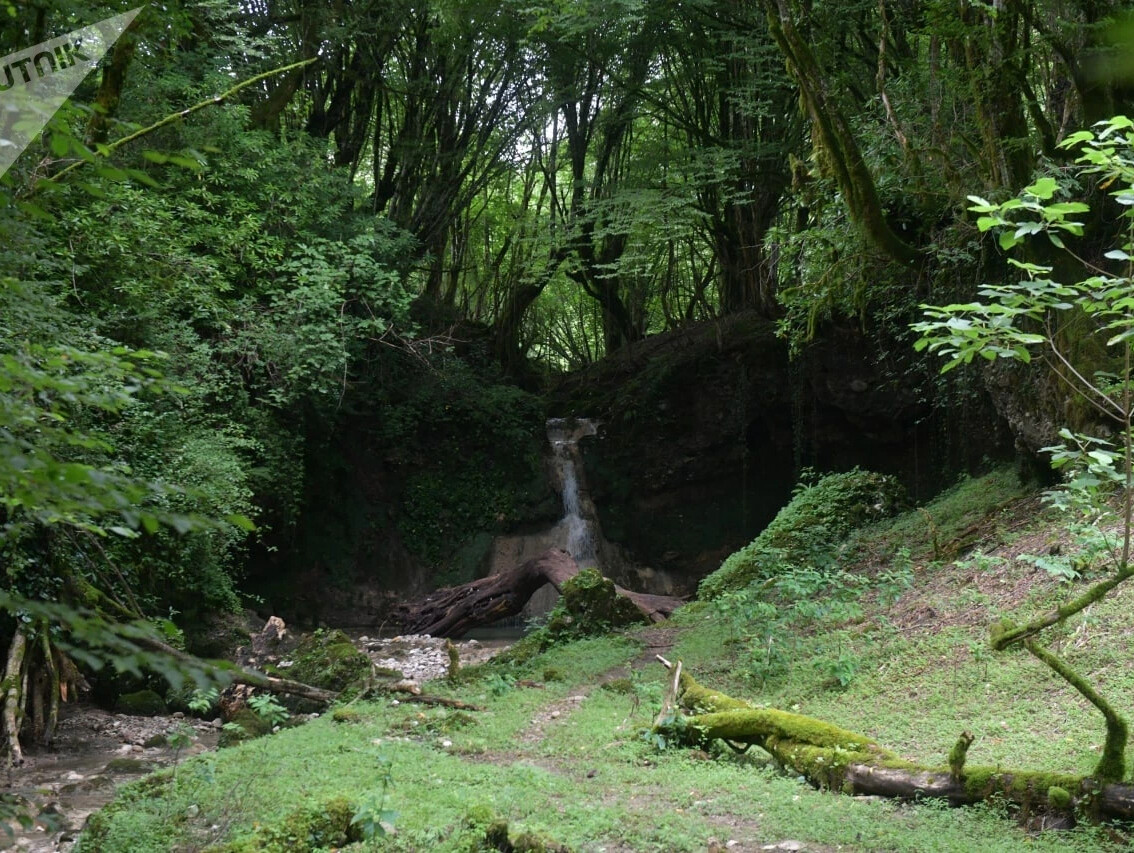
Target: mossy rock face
x,y
323,826
141,703
329,659
589,605
245,724
810,529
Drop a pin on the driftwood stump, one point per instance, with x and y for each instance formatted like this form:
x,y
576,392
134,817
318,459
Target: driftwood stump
x,y
452,611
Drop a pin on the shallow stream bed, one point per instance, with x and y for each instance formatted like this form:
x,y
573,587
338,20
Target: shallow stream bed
x,y
96,751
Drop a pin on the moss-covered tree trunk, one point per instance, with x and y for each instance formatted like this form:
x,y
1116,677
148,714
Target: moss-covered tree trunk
x,y
834,758
110,89
833,135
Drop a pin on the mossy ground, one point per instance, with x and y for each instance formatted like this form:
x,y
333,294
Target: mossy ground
x,y
567,761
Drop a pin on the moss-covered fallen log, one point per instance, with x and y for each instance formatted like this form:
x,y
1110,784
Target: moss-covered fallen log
x,y
833,758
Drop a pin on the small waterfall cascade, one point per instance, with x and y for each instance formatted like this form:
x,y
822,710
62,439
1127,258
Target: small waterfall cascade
x,y
577,530
580,522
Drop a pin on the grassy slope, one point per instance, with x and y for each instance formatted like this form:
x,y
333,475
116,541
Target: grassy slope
x,y
567,760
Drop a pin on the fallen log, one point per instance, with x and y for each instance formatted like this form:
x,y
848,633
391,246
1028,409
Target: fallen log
x,y
242,675
443,701
452,611
833,758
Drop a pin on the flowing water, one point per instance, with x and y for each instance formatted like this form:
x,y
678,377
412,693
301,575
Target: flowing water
x,y
95,752
579,524
577,530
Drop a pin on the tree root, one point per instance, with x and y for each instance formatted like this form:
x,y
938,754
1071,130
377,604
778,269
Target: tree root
x,y
833,758
452,611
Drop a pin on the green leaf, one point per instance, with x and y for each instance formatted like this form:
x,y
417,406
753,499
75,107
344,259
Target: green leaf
x,y
1043,189
1065,207
1008,240
60,145
1077,138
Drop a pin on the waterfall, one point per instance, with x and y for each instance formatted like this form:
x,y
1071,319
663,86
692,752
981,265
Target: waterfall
x,y
577,530
579,523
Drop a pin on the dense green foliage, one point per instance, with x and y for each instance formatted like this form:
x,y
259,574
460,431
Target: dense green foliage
x,y
1095,467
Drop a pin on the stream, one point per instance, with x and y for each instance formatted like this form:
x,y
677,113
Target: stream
x,y
95,751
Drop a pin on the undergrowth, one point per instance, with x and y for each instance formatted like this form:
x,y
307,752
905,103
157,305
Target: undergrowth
x,y
557,752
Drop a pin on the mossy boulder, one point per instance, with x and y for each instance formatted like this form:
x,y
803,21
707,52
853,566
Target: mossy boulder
x,y
245,724
329,659
810,529
141,703
589,605
217,635
498,837
346,715
130,766
322,826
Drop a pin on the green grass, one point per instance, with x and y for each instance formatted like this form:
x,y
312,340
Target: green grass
x,y
589,781
568,761
944,524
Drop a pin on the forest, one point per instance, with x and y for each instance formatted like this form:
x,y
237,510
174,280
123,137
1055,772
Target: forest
x,y
817,317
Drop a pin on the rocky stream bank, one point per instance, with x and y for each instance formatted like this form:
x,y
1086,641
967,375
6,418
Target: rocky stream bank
x,y
95,751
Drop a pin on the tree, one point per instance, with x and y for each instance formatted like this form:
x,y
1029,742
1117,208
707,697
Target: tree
x,y
725,90
833,136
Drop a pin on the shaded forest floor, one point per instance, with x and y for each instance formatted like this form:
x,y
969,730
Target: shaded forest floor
x,y
559,750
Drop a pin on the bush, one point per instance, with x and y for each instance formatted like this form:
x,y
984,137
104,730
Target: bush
x,y
317,827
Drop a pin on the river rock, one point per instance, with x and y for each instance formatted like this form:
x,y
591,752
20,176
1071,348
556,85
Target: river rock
x,y
421,658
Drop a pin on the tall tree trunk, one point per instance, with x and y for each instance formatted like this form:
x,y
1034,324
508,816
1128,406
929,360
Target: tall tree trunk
x,y
749,277
13,696
832,131
992,56
110,89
